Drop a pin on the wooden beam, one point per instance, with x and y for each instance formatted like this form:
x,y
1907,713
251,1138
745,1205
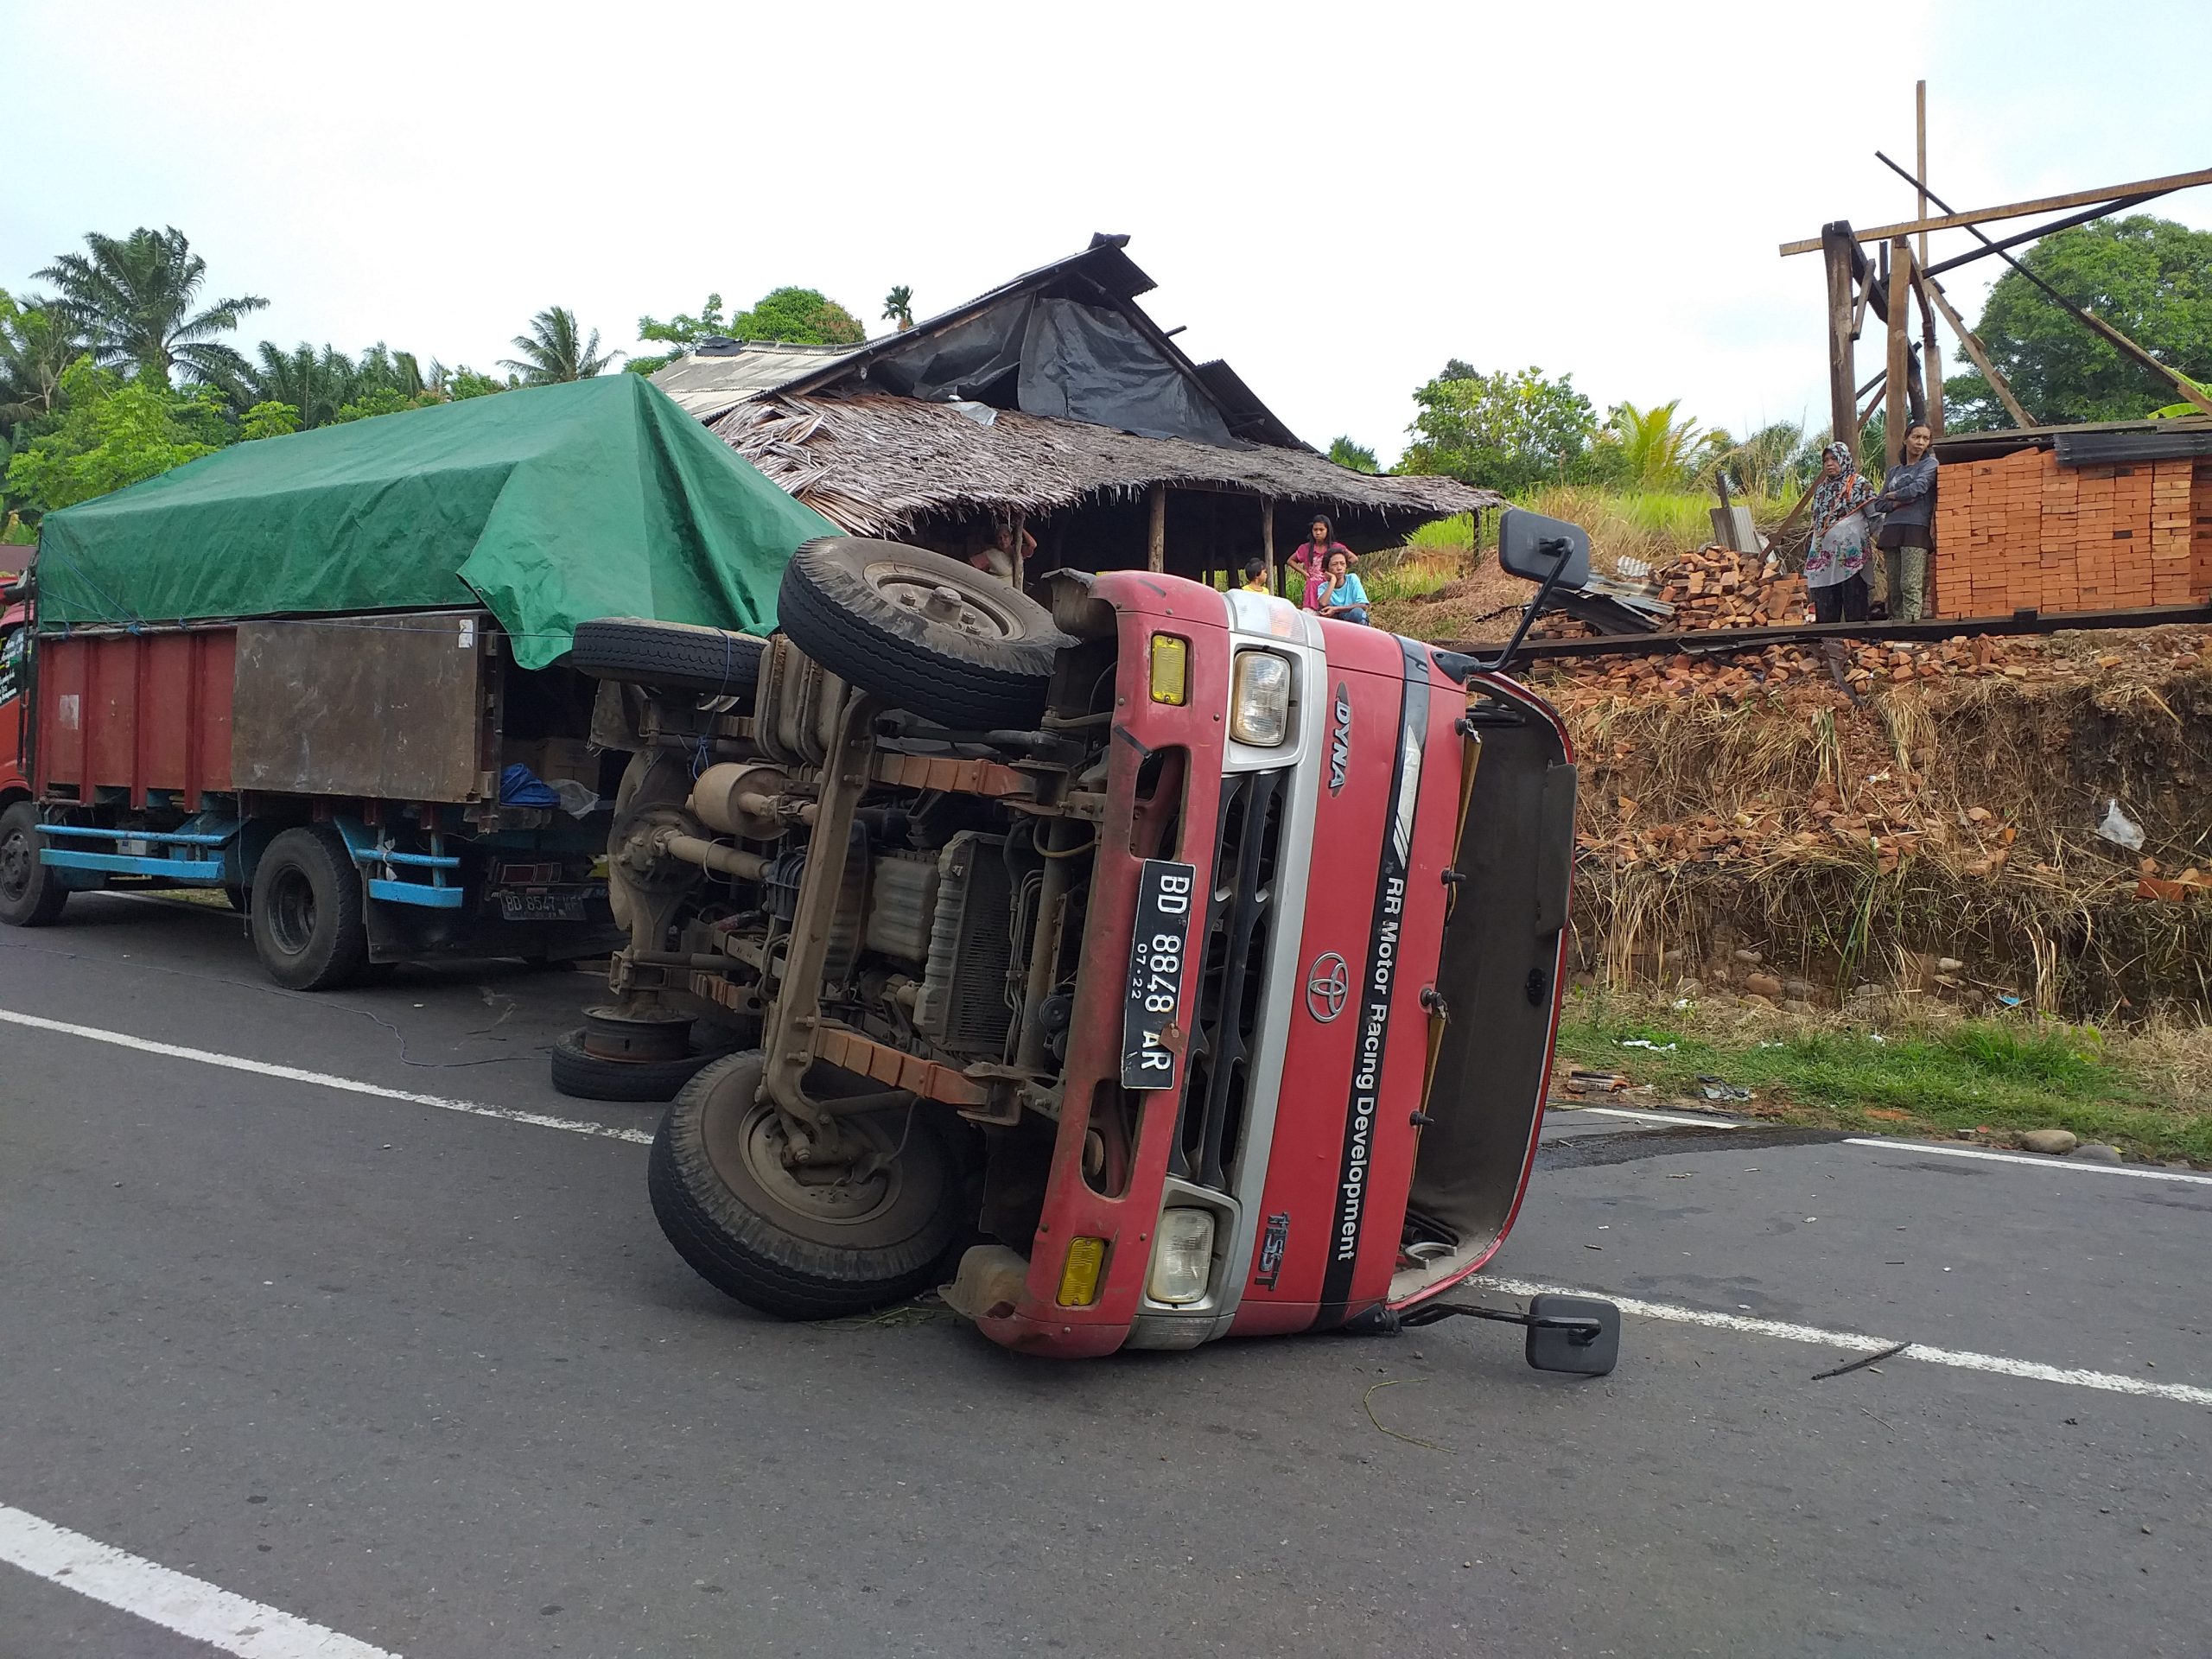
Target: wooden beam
x,y
1895,404
2096,325
1931,357
1843,403
2013,210
1267,540
1977,354
1920,158
1156,546
2036,232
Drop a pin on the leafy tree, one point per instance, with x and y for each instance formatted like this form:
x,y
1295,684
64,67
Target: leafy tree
x,y
2148,277
798,316
465,382
899,308
680,331
1505,431
268,421
114,432
133,300
37,345
315,384
1357,456
555,350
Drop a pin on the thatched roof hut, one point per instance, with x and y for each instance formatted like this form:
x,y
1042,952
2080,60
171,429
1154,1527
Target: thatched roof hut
x,y
1051,407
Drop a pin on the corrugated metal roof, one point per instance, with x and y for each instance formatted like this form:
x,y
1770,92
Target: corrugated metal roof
x,y
705,385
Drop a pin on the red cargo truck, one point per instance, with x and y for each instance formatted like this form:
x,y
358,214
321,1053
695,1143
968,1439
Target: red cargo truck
x,y
327,673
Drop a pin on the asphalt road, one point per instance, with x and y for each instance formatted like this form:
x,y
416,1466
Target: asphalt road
x,y
432,1379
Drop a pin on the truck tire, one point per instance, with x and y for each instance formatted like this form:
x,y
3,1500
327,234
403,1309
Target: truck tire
x,y
675,656
307,919
29,896
981,661
582,1075
797,1251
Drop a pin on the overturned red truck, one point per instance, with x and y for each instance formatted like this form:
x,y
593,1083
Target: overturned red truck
x,y
1180,963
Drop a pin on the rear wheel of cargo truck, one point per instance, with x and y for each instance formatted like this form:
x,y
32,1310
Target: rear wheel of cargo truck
x,y
29,896
793,1240
928,634
306,918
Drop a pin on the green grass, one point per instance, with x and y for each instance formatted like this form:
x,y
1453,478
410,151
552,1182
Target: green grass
x,y
1995,1077
1651,525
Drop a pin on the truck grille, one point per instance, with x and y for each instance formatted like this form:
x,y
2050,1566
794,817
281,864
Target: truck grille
x,y
1240,921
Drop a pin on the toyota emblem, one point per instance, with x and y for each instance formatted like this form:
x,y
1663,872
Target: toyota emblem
x,y
1327,983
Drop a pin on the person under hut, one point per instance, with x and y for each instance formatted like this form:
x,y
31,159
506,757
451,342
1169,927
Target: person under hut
x,y
1342,594
1907,504
1255,576
1835,560
1311,561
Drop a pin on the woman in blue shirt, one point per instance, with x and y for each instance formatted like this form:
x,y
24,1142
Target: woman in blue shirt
x,y
1344,597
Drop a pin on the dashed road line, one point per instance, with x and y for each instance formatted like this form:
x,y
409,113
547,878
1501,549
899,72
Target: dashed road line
x,y
325,1080
1857,1342
176,1601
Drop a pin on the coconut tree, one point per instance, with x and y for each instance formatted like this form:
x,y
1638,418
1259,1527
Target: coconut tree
x,y
553,350
317,383
133,300
1658,451
899,307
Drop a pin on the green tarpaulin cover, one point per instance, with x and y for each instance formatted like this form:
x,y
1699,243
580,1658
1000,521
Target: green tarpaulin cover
x,y
551,505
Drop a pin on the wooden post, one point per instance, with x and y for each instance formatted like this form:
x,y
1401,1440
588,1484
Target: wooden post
x,y
1843,405
1156,548
1267,540
1898,405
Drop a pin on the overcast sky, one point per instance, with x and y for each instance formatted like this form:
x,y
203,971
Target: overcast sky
x,y
1334,199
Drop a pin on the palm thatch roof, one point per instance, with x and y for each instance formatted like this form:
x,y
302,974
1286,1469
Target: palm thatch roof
x,y
876,464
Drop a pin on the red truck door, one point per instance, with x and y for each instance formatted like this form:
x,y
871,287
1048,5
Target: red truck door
x,y
15,636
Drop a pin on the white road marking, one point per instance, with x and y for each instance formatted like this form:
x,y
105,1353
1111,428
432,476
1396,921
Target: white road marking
x,y
176,1601
2032,1159
324,1079
1857,1342
1655,1117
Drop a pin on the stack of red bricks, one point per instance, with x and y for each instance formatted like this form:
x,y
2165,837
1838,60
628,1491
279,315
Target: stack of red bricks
x,y
2022,532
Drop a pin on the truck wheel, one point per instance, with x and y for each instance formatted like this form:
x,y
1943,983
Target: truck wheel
x,y
675,656
582,1075
932,635
29,896
799,1249
308,926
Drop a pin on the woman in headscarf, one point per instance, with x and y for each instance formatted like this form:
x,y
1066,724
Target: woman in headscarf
x,y
1835,560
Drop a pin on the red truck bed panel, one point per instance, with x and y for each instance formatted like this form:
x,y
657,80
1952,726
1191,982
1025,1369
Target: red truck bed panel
x,y
147,711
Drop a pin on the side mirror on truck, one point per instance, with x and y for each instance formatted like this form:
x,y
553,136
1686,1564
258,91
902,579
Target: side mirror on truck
x,y
1537,549
1549,552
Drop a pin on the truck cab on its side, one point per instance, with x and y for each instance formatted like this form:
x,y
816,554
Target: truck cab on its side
x,y
1165,965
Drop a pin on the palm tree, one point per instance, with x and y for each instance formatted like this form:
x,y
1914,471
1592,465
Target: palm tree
x,y
1659,451
36,344
317,383
550,352
133,300
899,307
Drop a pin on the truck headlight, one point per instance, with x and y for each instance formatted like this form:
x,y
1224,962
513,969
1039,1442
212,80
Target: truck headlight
x,y
1259,713
1182,1256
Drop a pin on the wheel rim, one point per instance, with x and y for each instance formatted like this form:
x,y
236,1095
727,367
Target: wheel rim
x,y
980,614
747,1144
288,902
17,860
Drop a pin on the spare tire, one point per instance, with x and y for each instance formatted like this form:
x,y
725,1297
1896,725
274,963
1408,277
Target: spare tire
x,y
674,655
928,634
